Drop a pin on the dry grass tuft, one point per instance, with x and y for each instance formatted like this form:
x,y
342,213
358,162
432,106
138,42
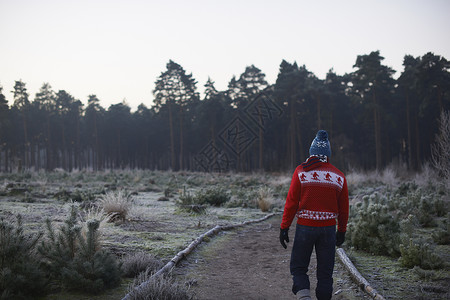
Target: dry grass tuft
x,y
265,198
156,288
116,205
134,264
95,213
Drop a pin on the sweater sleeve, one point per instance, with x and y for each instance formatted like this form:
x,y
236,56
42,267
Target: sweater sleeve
x,y
343,208
292,201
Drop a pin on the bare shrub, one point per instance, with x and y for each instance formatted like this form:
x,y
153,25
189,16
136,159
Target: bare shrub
x,y
441,149
356,178
136,263
156,288
426,176
389,176
116,204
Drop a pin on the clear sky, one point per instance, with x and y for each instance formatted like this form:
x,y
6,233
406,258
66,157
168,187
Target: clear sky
x,y
116,49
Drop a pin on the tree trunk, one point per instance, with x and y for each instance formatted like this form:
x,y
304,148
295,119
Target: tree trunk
x,y
49,145
300,143
408,121
77,146
33,157
63,150
319,121
377,132
213,138
261,148
25,134
181,137
119,150
172,146
95,158
6,160
417,142
261,142
362,282
292,133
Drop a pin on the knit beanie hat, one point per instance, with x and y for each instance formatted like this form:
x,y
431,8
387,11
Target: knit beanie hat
x,y
320,145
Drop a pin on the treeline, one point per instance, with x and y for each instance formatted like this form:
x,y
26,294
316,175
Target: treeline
x,y
372,120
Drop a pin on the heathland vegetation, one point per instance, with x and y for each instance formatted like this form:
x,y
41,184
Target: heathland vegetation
x,y
92,232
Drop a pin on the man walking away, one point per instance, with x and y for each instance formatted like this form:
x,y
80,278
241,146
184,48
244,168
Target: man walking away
x,y
318,196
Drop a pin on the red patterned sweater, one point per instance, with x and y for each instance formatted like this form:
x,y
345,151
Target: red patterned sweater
x,y
318,196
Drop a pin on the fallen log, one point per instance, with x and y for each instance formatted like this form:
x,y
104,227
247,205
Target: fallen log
x,y
182,254
360,280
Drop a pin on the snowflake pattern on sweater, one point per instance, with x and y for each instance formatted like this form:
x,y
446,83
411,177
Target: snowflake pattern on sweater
x,y
316,215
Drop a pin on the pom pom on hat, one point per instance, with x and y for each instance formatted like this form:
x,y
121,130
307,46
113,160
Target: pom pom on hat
x,y
320,145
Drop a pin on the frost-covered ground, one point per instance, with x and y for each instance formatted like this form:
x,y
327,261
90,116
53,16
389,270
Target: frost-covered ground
x,y
155,223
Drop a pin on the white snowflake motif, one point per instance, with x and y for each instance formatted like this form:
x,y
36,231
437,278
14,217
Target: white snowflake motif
x,y
322,144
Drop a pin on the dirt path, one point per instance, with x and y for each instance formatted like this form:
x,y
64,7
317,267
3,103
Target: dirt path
x,y
251,264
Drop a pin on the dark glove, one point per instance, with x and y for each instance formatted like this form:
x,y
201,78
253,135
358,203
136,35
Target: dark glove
x,y
340,238
284,237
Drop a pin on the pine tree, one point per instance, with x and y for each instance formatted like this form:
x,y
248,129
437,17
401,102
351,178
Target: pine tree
x,y
21,275
76,261
174,88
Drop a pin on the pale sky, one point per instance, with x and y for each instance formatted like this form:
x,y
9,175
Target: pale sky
x,y
116,49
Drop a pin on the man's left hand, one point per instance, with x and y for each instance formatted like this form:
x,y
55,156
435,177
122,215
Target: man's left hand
x,y
340,238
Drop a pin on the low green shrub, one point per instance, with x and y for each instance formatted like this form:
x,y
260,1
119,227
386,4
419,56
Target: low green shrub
x,y
416,251
212,196
373,229
190,203
419,253
21,275
198,202
405,188
374,222
441,236
247,198
168,192
429,275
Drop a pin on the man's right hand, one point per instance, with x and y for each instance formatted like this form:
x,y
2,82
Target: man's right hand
x,y
284,237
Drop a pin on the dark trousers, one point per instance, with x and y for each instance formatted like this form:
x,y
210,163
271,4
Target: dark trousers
x,y
323,239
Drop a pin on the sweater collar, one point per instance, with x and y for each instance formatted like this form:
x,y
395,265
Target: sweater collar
x,y
314,161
